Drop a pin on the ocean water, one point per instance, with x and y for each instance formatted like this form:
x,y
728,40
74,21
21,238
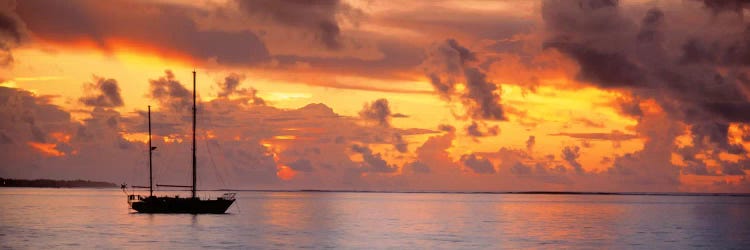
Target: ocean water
x,y
32,218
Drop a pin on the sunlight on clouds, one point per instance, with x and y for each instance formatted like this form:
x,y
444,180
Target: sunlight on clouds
x,y
209,134
285,137
47,149
285,173
37,78
131,67
135,137
283,96
8,84
173,138
552,104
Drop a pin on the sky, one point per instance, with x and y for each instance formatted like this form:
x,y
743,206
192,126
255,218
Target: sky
x,y
515,95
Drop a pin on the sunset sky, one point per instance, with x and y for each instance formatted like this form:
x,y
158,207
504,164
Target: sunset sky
x,y
568,95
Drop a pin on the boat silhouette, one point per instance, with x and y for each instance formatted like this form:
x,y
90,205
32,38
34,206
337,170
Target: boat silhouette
x,y
176,204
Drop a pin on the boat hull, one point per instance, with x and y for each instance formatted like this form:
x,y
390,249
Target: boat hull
x,y
174,205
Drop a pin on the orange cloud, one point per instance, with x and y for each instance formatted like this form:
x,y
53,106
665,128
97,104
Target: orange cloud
x,y
48,149
61,137
285,173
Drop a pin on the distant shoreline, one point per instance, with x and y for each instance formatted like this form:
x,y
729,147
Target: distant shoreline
x,y
48,183
493,192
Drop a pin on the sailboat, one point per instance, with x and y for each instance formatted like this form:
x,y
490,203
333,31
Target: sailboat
x,y
176,204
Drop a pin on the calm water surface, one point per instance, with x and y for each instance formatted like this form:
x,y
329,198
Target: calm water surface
x,y
99,218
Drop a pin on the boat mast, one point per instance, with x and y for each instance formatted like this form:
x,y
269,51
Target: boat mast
x,y
150,149
194,160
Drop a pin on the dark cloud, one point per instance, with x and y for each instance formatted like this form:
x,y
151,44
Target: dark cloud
x,y
399,144
165,27
373,163
243,145
446,128
251,94
570,154
530,142
650,26
719,6
716,132
45,142
449,64
37,135
12,31
582,16
103,92
733,50
377,111
478,165
417,167
695,77
316,17
573,25
229,85
697,168
230,88
170,93
27,117
480,130
482,99
629,107
735,168
442,21
694,51
610,70
520,169
396,58
10,27
303,165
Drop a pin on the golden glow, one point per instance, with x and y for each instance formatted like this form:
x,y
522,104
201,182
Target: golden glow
x,y
135,137
736,131
281,96
47,149
37,78
172,139
677,160
210,134
285,137
686,139
553,102
8,84
460,87
285,173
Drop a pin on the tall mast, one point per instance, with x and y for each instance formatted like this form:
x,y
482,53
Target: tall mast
x,y
150,148
194,160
